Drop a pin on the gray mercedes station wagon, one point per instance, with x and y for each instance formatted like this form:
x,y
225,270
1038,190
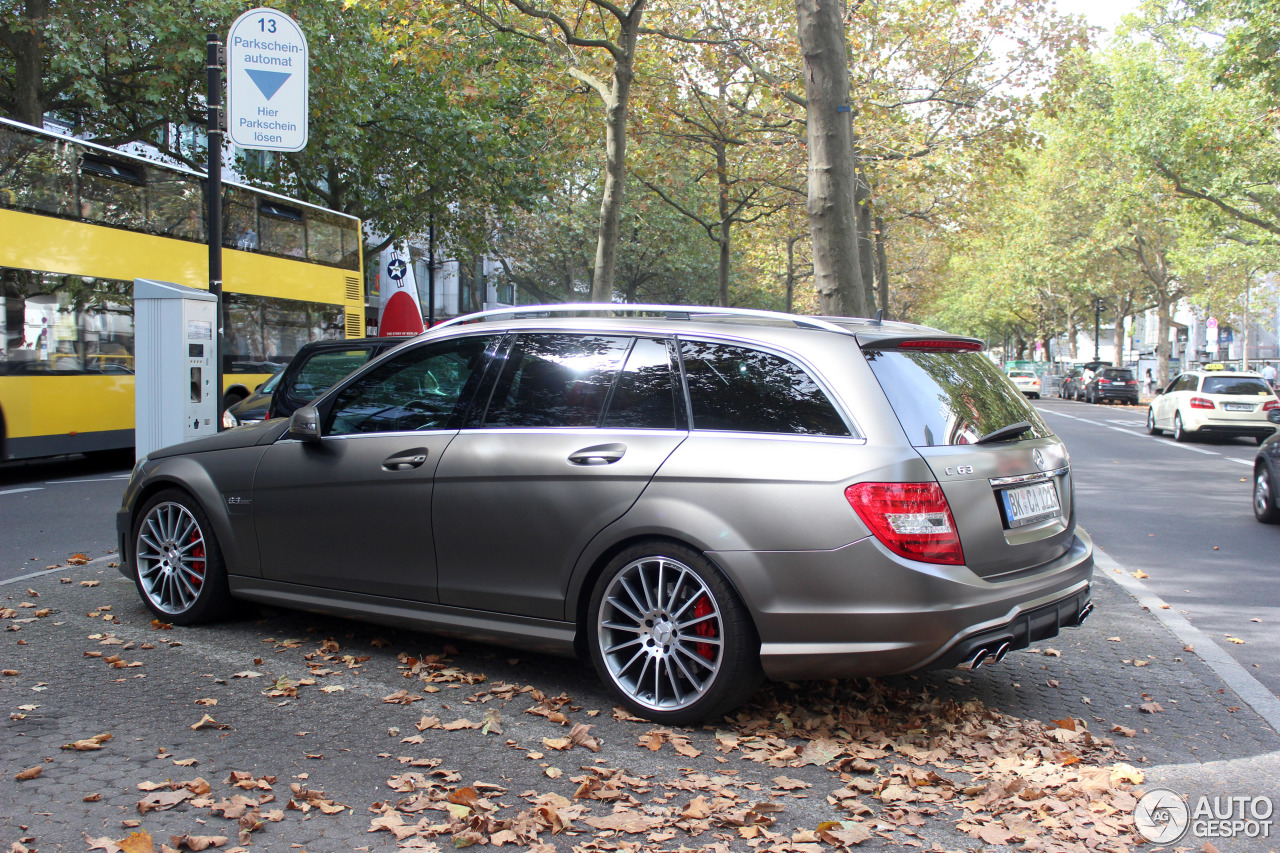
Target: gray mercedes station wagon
x,y
693,498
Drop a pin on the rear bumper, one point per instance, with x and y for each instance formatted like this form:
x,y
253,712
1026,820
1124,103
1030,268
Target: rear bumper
x,y
860,611
1248,430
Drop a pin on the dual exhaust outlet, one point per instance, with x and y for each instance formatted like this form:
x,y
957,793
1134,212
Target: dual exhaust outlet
x,y
994,651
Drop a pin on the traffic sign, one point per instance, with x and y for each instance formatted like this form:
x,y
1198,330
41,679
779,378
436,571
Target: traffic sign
x,y
267,82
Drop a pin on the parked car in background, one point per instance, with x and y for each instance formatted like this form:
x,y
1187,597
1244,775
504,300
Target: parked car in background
x,y
252,409
1027,382
1219,403
571,479
1071,384
1266,476
1112,383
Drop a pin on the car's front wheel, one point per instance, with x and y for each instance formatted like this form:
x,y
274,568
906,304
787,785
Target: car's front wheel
x,y
178,565
1264,500
670,636
1152,429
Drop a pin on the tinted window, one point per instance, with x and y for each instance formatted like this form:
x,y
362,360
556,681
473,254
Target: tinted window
x,y
1114,373
427,387
736,388
645,397
555,381
324,369
944,398
1241,386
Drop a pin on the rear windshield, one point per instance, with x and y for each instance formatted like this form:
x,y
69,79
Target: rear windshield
x,y
1241,386
1117,373
944,398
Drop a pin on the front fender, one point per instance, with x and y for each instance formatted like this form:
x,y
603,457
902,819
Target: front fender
x,y
214,479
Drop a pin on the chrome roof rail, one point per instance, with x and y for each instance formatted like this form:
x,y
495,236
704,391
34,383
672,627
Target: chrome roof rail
x,y
671,312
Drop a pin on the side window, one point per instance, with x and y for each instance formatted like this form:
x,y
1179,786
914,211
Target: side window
x,y
555,381
736,388
324,369
425,388
645,397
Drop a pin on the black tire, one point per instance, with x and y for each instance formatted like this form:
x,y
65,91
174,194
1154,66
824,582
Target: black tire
x,y
1152,429
177,564
700,639
1264,495
1179,434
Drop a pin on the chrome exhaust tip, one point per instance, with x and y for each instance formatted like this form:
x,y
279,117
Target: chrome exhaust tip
x,y
978,659
1000,653
1084,614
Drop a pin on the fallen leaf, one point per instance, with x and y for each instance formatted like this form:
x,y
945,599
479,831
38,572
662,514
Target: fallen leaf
x,y
1140,574
30,773
207,722
137,842
87,744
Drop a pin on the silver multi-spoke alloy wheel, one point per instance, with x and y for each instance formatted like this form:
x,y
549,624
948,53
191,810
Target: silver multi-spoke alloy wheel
x,y
660,633
1152,429
172,558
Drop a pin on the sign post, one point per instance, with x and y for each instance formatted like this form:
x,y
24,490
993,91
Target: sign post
x,y
215,61
268,79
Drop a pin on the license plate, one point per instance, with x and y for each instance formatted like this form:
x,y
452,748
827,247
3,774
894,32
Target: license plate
x,y
1029,504
1238,407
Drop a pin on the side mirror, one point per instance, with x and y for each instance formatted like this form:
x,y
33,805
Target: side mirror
x,y
1157,392
304,424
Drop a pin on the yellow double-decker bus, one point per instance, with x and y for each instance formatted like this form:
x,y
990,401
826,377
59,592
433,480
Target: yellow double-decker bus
x,y
79,222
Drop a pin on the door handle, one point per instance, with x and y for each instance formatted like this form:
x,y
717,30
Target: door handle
x,y
406,460
600,454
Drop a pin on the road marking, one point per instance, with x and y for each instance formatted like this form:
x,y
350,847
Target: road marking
x,y
1252,691
28,489
67,568
1248,462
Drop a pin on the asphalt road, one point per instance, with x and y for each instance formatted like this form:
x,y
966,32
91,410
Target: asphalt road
x,y
1180,513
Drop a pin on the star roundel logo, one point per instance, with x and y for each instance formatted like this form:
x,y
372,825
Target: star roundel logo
x,y
1161,816
396,269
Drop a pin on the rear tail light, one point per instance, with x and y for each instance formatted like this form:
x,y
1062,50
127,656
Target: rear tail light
x,y
1104,381
940,345
1201,403
1270,404
913,520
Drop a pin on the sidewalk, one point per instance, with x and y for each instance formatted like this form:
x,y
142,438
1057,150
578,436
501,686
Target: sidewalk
x,y
331,735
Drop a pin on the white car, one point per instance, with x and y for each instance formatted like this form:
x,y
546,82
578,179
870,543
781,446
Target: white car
x,y
1027,381
1225,403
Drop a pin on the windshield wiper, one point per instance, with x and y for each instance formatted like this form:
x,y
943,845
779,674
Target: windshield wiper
x,y
1006,432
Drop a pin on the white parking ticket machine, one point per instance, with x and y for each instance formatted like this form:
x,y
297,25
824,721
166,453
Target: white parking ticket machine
x,y
175,359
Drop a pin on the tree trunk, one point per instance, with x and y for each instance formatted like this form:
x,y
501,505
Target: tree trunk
x,y
829,126
28,50
1163,345
615,174
882,267
791,272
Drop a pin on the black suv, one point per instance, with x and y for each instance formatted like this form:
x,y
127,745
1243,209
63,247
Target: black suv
x,y
1112,383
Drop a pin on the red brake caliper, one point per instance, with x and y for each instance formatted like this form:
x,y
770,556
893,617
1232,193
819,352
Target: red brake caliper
x,y
197,559
702,607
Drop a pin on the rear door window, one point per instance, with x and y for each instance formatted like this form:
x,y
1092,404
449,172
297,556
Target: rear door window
x,y
645,396
748,390
555,381
950,398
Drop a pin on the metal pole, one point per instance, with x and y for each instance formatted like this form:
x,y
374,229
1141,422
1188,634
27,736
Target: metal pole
x,y
215,59
431,270
1097,315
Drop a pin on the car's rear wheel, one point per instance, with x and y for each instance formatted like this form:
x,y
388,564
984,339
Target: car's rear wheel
x,y
1152,429
1179,434
1264,501
670,635
178,565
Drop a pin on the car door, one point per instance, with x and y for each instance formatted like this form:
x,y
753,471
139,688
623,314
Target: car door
x,y
352,511
519,496
1167,403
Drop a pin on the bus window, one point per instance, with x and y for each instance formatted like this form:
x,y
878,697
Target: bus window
x,y
283,231
70,324
176,204
324,239
239,220
36,174
112,193
264,332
